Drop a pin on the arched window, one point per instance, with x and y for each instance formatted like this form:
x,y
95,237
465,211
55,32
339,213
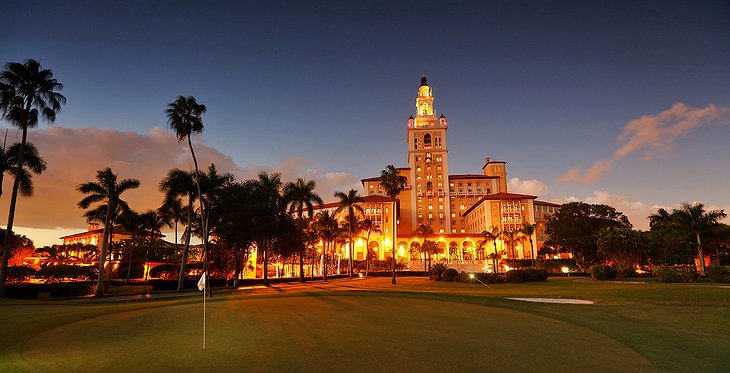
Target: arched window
x,y
427,140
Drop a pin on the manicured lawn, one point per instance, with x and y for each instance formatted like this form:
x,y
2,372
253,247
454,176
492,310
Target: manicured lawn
x,y
371,326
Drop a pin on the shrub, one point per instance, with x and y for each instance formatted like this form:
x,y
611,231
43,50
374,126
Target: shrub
x,y
532,274
675,273
449,274
65,271
626,272
556,265
602,272
437,269
20,273
487,278
515,276
517,263
718,274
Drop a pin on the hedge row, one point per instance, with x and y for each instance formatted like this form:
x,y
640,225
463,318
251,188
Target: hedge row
x,y
675,273
719,274
602,272
525,275
33,291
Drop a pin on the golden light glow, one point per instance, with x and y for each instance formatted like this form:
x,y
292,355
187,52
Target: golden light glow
x,y
565,269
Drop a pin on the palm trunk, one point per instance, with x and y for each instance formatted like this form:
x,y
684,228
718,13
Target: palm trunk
x,y
266,264
186,247
532,251
393,248
701,254
102,255
324,261
494,261
129,267
11,213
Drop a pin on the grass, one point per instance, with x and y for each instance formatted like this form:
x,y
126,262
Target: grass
x,y
369,325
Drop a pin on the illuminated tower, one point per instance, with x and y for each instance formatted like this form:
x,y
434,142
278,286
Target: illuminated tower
x,y
428,162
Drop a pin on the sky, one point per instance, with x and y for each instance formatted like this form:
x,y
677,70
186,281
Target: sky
x,y
621,102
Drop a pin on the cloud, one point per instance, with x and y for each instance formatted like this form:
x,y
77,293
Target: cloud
x,y
75,154
533,187
654,136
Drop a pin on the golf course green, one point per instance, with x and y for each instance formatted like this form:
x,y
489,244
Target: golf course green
x,y
372,326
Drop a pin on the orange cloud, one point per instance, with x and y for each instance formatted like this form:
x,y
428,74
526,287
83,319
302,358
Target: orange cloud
x,y
652,135
75,154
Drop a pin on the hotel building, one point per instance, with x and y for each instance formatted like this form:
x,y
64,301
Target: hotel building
x,y
458,208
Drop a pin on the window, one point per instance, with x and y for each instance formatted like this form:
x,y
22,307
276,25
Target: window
x,y
453,214
427,141
430,215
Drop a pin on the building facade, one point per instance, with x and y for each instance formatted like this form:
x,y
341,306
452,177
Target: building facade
x,y
457,207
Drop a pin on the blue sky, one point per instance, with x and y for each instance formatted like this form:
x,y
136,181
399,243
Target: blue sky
x,y
546,86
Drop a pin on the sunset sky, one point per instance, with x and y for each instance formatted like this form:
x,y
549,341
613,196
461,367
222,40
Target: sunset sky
x,y
624,103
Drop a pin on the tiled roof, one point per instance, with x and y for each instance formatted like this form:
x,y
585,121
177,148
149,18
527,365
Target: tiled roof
x,y
546,203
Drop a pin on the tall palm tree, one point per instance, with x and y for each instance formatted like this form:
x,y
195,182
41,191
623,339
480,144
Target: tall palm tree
x,y
492,234
393,183
300,195
327,227
27,92
107,189
132,222
152,224
369,227
510,237
693,219
33,163
176,185
184,116
528,230
269,206
350,202
424,231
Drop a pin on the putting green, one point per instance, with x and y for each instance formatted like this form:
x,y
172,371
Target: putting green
x,y
361,333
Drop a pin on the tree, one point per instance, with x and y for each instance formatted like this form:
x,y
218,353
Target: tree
x,y
349,201
622,246
393,183
327,228
176,185
269,208
528,230
693,219
27,92
132,222
32,163
510,237
575,226
300,195
369,227
152,224
424,231
492,235
107,189
184,116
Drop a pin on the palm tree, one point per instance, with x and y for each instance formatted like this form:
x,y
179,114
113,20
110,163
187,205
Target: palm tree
x,y
528,230
327,227
178,184
300,195
349,201
33,163
511,237
132,223
184,116
693,219
369,227
269,206
27,92
152,224
424,231
492,235
393,183
660,219
107,189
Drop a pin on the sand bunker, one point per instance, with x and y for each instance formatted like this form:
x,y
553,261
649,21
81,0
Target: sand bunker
x,y
553,300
